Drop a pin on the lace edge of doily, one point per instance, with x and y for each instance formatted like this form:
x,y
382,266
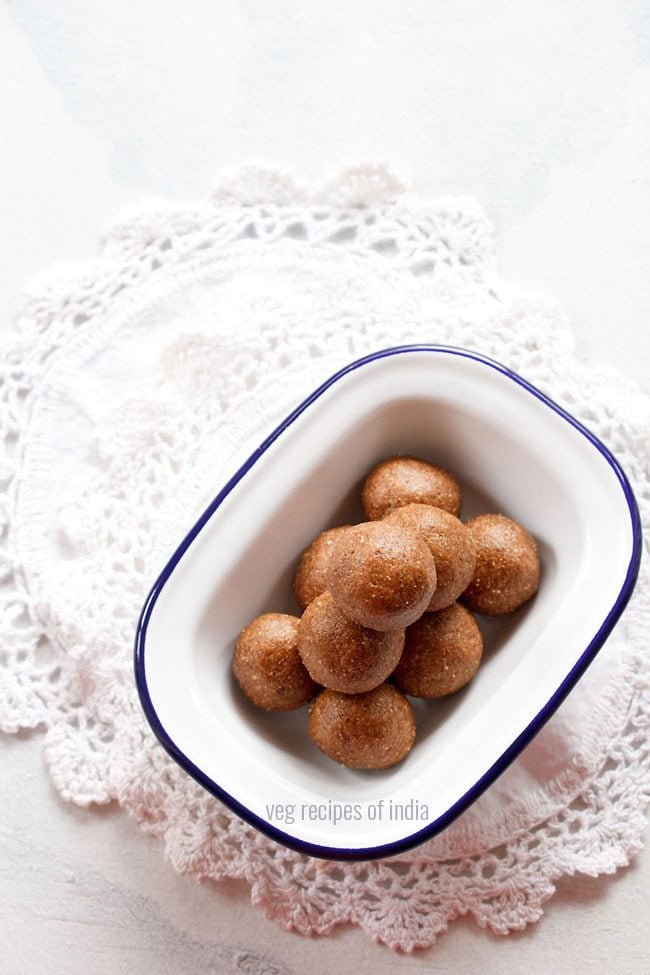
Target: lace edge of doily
x,y
146,226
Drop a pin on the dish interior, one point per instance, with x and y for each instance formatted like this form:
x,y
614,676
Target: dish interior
x,y
511,453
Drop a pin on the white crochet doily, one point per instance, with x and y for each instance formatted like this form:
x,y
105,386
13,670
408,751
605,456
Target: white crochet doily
x,y
134,385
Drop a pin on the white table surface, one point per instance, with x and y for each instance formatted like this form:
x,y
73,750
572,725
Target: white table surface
x,y
542,111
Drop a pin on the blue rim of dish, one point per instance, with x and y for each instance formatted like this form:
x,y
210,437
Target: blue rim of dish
x,y
499,766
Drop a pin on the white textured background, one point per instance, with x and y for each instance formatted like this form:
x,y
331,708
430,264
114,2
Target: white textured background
x,y
542,111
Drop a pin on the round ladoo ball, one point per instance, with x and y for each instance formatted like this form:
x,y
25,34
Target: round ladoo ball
x,y
365,731
343,655
451,546
406,480
381,576
507,565
311,574
267,664
441,654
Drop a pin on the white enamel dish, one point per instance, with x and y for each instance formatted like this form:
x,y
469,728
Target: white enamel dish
x,y
514,451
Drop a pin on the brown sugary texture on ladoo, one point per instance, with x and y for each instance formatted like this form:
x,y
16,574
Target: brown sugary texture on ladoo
x,y
406,480
365,731
311,574
381,576
450,543
343,655
267,664
441,654
507,565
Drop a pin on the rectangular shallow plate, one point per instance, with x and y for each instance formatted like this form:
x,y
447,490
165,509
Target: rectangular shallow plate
x,y
513,451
